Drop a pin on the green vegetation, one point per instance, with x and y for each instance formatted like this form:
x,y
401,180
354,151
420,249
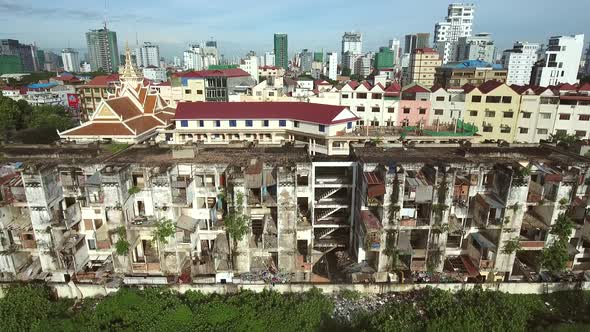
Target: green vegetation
x,y
133,190
21,122
165,228
236,222
122,245
115,147
555,256
31,308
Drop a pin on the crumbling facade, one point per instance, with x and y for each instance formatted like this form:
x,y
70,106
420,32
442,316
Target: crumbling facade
x,y
161,214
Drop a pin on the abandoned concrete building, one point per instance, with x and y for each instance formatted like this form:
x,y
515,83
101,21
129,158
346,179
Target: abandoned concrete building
x,y
165,214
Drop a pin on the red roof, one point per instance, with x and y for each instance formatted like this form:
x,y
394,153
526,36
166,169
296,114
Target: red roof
x,y
103,80
566,87
231,72
394,87
268,67
353,84
366,85
489,86
425,50
436,87
416,88
316,113
322,82
468,87
584,87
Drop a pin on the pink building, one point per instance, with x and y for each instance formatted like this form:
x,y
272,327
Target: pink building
x,y
414,106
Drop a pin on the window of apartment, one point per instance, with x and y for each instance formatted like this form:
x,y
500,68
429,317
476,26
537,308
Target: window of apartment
x,y
506,100
265,123
187,91
581,133
488,129
584,117
564,116
199,92
349,125
505,130
476,99
490,114
361,95
524,130
375,109
438,112
217,123
232,123
271,93
376,96
422,111
440,98
542,131
296,124
201,123
545,115
184,123
248,123
375,123
493,99
345,96
472,113
509,114
92,244
360,109
561,132
390,109
360,123
282,123
526,115
406,110
322,128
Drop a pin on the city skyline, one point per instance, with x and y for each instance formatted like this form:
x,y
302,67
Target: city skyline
x,y
173,29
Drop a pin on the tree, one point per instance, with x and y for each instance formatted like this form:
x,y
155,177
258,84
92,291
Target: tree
x,y
236,222
345,71
555,257
164,229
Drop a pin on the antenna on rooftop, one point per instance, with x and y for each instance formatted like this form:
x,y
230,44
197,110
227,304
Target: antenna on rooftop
x,y
136,39
105,14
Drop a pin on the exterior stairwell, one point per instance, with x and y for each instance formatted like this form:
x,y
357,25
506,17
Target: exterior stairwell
x,y
322,233
326,194
326,214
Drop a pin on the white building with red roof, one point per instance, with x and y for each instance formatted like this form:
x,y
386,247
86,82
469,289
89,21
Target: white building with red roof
x,y
131,114
320,127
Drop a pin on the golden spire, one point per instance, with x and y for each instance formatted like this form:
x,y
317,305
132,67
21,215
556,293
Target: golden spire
x,y
129,72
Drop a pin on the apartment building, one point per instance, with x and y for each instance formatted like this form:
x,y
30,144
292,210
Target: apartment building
x,y
414,106
214,84
95,90
423,64
474,72
494,108
80,213
448,105
560,62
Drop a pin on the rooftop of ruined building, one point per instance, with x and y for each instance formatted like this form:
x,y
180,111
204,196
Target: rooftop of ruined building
x,y
475,154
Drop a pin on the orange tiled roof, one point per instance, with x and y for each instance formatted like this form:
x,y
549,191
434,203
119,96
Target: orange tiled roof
x,y
101,129
124,107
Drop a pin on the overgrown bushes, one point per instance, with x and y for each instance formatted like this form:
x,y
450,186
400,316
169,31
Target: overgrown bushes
x,y
29,308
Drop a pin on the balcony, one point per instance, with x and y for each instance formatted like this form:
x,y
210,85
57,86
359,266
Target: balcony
x,y
486,264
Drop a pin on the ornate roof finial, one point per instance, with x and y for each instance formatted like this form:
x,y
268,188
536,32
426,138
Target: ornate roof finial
x,y
129,72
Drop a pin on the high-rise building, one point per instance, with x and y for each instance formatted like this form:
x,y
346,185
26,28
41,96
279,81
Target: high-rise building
x,y
28,54
211,53
332,65
519,62
479,47
250,65
352,42
305,58
349,59
458,23
103,51
384,58
587,61
193,58
269,58
362,65
71,60
177,61
10,64
419,40
395,47
148,55
423,64
561,61
281,48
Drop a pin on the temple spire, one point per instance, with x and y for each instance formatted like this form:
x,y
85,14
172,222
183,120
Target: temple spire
x,y
129,72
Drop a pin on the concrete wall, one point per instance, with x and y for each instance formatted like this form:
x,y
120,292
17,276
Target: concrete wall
x,y
71,290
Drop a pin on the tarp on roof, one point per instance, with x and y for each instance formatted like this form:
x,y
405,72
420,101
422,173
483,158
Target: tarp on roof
x,y
186,223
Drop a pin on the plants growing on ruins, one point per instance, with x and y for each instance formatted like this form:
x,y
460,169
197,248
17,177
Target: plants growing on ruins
x,y
393,200
122,245
555,256
390,248
520,175
133,190
236,222
164,229
511,246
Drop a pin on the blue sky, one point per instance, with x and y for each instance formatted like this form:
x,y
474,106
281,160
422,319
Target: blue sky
x,y
239,26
